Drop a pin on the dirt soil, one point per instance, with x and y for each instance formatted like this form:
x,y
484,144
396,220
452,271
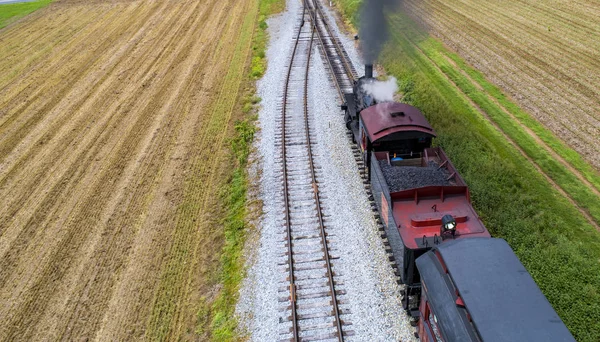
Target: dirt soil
x,y
544,54
113,124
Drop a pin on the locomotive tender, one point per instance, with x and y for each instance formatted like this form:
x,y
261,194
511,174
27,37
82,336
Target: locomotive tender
x,y
424,203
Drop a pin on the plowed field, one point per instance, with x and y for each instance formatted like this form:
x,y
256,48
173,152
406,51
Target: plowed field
x,y
544,54
114,117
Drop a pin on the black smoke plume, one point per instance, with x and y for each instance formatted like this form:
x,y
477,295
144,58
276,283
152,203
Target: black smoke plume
x,y
373,31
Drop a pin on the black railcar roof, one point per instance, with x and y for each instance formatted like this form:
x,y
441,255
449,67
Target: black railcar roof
x,y
502,298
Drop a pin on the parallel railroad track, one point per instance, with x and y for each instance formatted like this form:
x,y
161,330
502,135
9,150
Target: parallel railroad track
x,y
336,56
313,304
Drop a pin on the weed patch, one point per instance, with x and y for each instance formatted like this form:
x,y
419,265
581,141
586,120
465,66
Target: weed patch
x,y
259,46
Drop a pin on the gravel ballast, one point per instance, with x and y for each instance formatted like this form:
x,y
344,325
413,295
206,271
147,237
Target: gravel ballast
x,y
372,295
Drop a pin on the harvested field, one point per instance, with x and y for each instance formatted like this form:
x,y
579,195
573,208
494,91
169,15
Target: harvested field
x,y
544,54
114,120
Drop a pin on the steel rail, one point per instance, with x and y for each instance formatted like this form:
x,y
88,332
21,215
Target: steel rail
x,y
285,188
315,188
329,63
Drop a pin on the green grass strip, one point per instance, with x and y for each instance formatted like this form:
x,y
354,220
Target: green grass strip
x,y
222,321
12,12
556,244
552,239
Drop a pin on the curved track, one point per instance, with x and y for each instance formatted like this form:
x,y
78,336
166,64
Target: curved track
x,y
313,308
333,51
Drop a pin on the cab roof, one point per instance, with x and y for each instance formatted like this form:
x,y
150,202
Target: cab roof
x,y
386,118
503,300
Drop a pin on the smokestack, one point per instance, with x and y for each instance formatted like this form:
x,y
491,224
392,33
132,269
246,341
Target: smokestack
x,y
369,70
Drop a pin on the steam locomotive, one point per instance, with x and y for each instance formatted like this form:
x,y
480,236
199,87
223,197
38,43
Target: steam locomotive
x,y
424,204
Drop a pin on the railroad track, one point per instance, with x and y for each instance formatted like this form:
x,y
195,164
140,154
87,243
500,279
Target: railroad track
x,y
312,306
333,51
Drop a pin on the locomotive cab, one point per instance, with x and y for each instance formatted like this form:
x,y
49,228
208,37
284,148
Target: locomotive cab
x,y
398,129
405,148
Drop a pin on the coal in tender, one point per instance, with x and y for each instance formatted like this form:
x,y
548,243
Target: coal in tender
x,y
401,178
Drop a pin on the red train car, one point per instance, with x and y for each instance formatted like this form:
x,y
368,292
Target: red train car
x,y
421,198
478,290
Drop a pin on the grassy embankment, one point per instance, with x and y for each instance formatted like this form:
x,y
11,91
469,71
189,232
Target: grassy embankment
x,y
216,320
12,12
559,247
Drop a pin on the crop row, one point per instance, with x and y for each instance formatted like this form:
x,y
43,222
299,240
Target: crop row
x,y
195,230
82,178
559,94
557,161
